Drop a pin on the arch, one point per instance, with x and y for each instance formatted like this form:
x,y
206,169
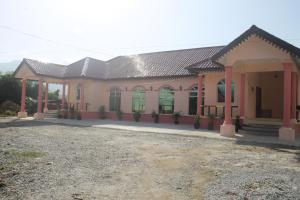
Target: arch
x,y
166,100
166,86
221,91
139,86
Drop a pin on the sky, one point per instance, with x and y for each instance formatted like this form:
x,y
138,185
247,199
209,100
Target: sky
x,y
63,31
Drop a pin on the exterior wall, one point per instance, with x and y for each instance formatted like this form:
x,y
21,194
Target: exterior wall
x,y
211,81
97,93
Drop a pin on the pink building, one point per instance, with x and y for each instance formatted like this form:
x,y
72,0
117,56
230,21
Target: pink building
x,y
254,77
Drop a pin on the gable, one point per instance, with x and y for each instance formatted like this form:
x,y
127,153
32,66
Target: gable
x,y
254,48
24,71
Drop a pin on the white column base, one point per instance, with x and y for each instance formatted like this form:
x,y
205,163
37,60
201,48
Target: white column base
x,y
227,130
45,110
287,134
22,114
38,116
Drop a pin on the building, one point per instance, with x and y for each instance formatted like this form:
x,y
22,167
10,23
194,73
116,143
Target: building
x,y
255,77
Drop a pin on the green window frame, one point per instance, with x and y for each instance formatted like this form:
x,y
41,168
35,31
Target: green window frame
x,y
78,90
115,100
138,100
221,91
166,101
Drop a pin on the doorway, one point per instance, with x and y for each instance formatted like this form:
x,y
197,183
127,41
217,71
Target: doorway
x,y
258,102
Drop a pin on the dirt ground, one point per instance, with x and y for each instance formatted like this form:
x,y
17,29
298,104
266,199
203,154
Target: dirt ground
x,y
47,161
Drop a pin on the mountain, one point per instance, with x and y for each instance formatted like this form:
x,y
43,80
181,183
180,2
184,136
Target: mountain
x,y
9,66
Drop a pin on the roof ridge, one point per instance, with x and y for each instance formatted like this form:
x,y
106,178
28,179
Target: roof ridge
x,y
196,48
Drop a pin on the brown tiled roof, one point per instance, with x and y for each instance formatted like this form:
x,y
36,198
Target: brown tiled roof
x,y
185,62
48,69
158,64
147,65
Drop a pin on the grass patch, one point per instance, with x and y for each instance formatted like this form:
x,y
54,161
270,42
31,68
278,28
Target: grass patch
x,y
26,154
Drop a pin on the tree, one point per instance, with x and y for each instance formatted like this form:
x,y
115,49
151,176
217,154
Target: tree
x,y
10,88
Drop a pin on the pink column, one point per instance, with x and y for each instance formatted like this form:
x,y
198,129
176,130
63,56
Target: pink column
x,y
242,95
46,98
199,106
287,94
228,82
63,96
40,91
82,98
294,95
23,98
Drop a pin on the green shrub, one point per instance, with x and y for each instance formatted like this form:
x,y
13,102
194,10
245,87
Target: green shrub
x,y
197,122
137,116
102,113
176,117
9,105
211,119
155,116
78,115
120,115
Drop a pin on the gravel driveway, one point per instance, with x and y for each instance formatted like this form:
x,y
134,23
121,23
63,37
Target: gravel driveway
x,y
48,161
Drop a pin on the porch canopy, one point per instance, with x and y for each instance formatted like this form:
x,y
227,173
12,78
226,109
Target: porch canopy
x,y
42,72
257,51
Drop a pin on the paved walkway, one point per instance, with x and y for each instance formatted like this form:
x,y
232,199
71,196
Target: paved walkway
x,y
183,130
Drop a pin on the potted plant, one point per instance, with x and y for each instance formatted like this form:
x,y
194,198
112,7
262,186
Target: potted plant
x,y
59,114
237,123
137,116
102,113
176,117
120,115
211,119
197,122
65,114
155,116
78,115
72,113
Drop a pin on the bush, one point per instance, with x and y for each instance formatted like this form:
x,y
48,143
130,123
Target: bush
x,y
78,115
137,116
197,122
102,113
155,116
9,106
120,115
237,124
211,119
176,117
31,106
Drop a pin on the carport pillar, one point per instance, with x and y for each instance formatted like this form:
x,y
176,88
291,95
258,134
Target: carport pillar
x,y
81,98
200,85
46,98
39,114
242,95
23,113
286,132
63,96
227,129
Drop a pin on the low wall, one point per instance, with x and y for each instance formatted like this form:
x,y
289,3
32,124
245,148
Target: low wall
x,y
167,119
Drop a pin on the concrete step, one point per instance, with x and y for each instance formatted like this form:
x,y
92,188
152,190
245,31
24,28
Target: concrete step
x,y
51,114
261,129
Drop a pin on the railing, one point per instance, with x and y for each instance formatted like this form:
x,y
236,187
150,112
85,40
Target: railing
x,y
217,110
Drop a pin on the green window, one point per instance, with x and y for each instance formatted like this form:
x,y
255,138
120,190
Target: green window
x,y
166,101
78,92
115,100
138,100
221,91
193,100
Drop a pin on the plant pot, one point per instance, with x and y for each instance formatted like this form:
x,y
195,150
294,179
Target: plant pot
x,y
176,122
196,125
